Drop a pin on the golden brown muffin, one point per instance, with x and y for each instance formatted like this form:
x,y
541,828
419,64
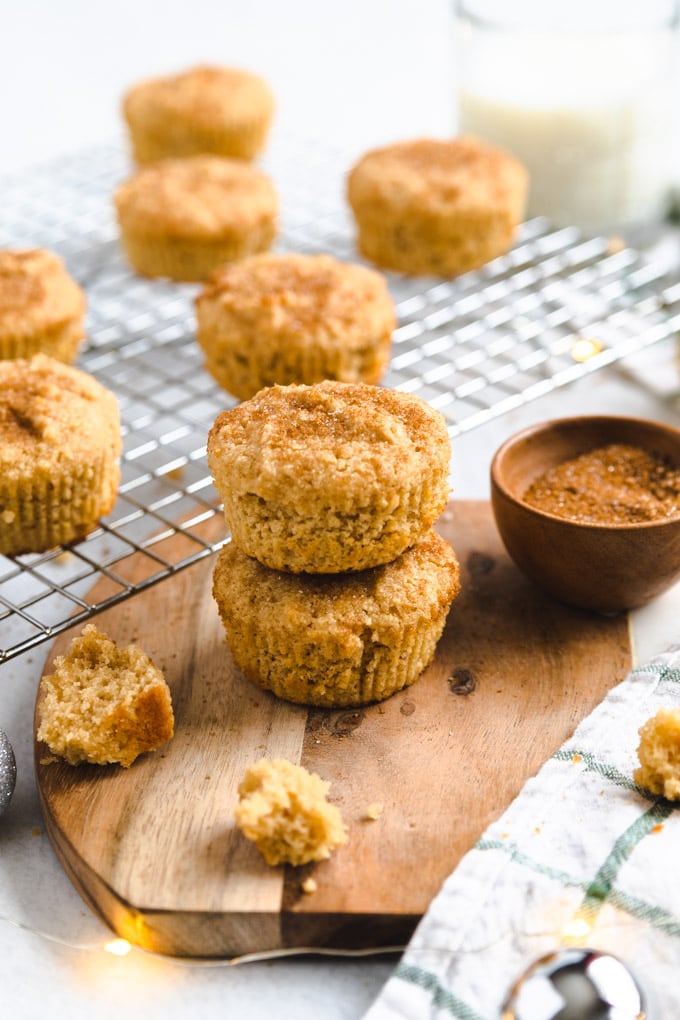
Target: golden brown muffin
x,y
104,704
330,477
283,808
659,754
437,207
59,454
41,307
219,110
294,319
183,218
341,639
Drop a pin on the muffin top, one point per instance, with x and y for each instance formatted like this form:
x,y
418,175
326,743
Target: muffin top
x,y
312,297
51,413
448,175
346,443
36,293
198,197
417,584
207,97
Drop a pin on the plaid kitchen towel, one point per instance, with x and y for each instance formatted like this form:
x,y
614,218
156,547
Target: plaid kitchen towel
x,y
581,857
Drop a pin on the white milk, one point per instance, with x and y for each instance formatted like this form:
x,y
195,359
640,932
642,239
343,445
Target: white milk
x,y
590,114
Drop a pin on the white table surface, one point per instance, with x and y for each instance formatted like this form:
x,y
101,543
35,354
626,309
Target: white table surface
x,y
361,72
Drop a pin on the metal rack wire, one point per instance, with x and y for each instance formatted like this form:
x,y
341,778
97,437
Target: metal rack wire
x,y
554,308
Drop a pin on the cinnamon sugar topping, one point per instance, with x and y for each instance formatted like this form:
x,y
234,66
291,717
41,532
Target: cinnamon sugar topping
x,y
615,484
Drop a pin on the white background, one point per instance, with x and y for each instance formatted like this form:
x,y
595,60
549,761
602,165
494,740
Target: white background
x,y
359,72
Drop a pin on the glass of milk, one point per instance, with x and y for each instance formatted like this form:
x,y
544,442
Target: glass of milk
x,y
583,92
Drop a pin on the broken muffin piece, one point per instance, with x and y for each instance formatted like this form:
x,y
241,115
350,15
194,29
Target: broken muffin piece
x,y
283,809
659,754
104,704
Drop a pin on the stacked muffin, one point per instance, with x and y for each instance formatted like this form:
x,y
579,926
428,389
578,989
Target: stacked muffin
x,y
335,588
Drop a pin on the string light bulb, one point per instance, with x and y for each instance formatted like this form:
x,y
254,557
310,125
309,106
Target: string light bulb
x,y
576,929
118,947
585,348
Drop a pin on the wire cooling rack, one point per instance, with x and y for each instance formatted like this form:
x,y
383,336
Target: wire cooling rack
x,y
556,307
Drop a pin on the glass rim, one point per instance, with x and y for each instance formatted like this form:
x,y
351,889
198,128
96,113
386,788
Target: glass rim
x,y
576,16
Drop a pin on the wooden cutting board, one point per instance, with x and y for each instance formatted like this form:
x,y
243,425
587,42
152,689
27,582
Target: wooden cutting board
x,y
154,849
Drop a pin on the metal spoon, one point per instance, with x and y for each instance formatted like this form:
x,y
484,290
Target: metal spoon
x,y
8,771
576,984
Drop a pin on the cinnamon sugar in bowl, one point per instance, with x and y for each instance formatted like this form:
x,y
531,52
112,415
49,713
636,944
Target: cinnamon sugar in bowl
x,y
589,508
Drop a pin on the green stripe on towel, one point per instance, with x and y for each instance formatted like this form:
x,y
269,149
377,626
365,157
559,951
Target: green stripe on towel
x,y
599,890
594,765
524,860
632,905
441,997
668,674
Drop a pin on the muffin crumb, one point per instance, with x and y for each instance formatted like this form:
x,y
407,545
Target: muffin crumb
x,y
284,809
659,754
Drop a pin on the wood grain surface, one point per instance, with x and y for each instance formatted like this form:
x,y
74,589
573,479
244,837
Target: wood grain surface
x,y
154,850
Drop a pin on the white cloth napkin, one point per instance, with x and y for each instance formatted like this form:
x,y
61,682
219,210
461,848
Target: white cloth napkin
x,y
581,857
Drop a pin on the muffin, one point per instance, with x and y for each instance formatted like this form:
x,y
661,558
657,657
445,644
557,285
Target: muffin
x,y
294,319
219,110
41,307
341,639
104,704
436,207
184,217
330,477
659,754
284,809
59,454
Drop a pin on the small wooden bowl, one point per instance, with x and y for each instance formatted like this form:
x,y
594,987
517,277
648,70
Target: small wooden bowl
x,y
605,567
